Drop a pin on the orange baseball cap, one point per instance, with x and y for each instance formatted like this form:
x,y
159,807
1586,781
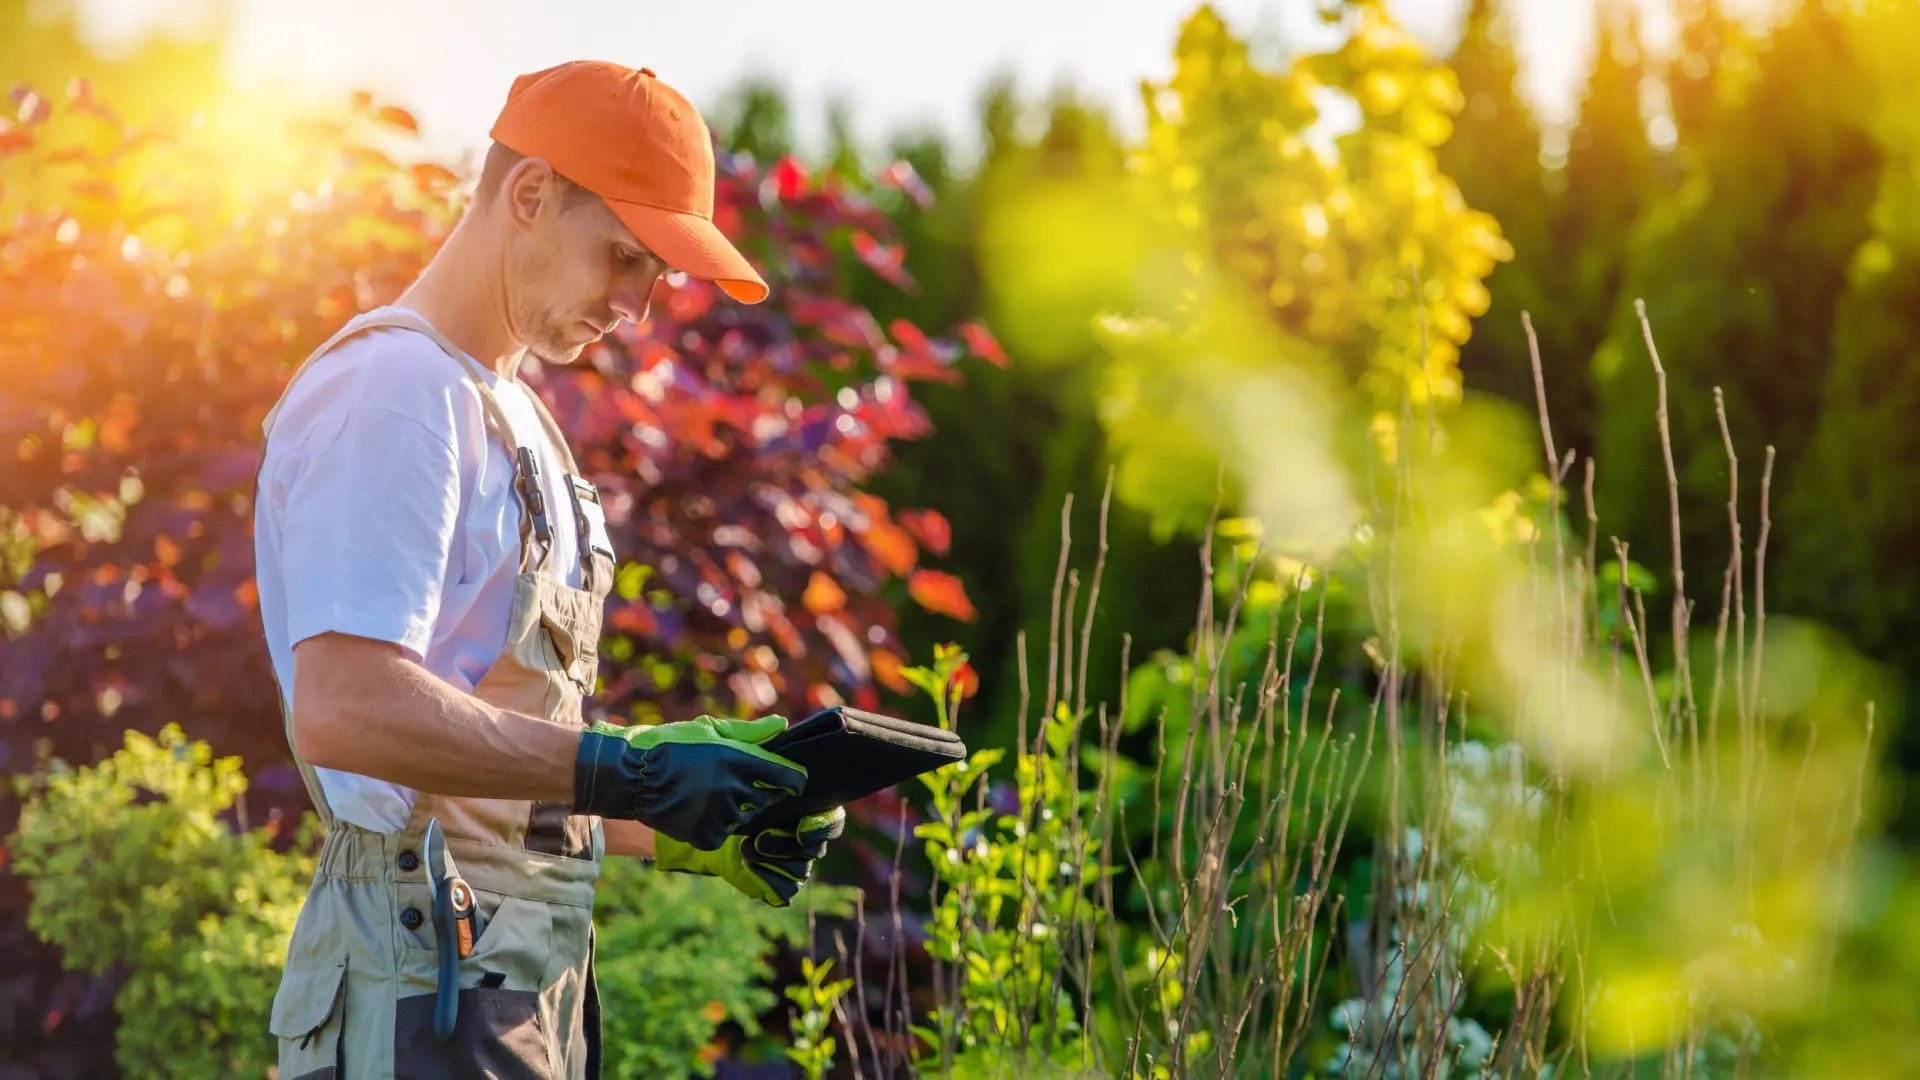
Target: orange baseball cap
x,y
639,144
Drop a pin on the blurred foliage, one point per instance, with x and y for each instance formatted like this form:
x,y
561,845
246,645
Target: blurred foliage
x,y
1494,155
1608,181
1281,281
679,957
1741,267
1464,593
177,71
140,875
1850,500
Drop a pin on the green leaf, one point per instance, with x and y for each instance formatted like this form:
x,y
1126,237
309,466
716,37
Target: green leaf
x,y
985,759
924,678
631,578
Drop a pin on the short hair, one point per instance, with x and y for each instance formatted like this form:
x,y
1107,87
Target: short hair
x,y
501,159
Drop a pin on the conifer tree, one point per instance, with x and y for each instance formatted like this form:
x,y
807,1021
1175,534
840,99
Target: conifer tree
x,y
1851,515
755,120
1742,270
1608,181
1708,69
1494,156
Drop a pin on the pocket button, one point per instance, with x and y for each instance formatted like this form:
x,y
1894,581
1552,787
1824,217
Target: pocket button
x,y
411,918
409,862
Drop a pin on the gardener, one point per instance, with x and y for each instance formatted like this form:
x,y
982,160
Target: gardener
x,y
432,570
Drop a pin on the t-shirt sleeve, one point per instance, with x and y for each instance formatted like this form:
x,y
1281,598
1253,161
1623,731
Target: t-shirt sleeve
x,y
370,524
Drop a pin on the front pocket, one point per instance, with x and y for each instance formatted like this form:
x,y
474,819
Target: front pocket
x,y
513,951
498,1032
498,1035
308,1013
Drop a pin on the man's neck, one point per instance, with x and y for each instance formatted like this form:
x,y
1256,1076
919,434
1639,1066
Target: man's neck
x,y
462,292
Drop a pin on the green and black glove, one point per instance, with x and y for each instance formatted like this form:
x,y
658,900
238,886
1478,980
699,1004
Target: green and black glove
x,y
696,781
769,866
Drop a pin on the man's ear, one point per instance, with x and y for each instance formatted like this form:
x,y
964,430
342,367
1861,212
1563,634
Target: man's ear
x,y
528,187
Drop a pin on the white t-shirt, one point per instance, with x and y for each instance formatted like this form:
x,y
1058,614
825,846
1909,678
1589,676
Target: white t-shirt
x,y
388,512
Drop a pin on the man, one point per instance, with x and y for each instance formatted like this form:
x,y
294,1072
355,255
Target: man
x,y
432,571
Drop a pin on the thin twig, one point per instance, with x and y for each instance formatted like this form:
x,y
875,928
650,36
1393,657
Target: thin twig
x,y
1682,680
1646,674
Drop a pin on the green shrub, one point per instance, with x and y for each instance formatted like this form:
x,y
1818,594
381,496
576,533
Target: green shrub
x,y
133,869
818,1003
678,956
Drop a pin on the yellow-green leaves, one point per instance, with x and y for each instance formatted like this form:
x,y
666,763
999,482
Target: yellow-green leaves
x,y
1267,267
133,867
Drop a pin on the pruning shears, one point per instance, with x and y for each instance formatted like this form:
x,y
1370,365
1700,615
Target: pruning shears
x,y
456,926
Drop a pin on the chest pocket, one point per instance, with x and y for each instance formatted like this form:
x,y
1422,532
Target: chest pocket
x,y
574,629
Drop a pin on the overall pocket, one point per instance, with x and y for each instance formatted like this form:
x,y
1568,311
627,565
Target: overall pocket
x,y
577,648
309,1010
499,1031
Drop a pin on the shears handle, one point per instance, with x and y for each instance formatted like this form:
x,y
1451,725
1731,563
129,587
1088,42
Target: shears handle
x,y
456,925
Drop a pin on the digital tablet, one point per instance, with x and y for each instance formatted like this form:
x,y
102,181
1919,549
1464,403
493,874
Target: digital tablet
x,y
850,754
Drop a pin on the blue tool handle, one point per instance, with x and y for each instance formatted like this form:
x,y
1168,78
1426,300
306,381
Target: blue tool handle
x,y
446,998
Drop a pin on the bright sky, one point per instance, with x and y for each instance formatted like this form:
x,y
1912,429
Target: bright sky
x,y
898,63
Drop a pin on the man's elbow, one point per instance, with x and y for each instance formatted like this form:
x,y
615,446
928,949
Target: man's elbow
x,y
317,735
331,672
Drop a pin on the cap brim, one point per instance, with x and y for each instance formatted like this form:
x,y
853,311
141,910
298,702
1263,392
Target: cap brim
x,y
693,245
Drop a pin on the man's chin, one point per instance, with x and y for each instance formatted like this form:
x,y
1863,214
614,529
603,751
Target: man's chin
x,y
557,353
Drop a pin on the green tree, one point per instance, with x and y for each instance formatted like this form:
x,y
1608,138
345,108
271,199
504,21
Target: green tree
x,y
1494,155
843,155
753,118
1852,511
42,45
1709,71
1607,183
1743,269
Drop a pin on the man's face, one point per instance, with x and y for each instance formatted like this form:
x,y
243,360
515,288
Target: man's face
x,y
574,269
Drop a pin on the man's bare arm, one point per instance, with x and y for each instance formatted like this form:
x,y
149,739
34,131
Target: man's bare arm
x,y
362,706
628,838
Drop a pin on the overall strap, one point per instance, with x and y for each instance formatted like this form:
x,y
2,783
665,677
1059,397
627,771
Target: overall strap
x,y
554,434
402,319
536,530
536,536
583,541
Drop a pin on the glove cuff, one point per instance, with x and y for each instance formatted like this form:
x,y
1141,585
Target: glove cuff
x,y
594,768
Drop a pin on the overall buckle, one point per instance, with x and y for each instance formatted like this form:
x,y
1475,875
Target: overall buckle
x,y
526,481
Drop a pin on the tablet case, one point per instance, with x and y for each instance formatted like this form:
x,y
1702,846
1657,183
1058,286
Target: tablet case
x,y
850,754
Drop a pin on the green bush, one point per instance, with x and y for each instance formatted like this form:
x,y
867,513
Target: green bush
x,y
678,956
133,869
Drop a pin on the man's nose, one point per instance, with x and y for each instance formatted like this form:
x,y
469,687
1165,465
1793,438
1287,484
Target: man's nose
x,y
634,299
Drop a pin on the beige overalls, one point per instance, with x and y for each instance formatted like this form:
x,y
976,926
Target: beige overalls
x,y
356,999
